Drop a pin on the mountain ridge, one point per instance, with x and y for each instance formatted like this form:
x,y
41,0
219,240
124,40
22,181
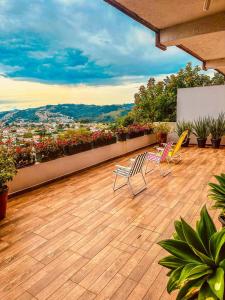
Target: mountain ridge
x,y
67,112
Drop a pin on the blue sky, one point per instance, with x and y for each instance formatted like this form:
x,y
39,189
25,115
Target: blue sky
x,y
78,41
72,42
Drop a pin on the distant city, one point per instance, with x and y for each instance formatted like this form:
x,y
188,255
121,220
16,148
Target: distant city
x,y
32,124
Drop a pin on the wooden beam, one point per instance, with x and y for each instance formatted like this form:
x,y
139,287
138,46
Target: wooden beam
x,y
176,35
215,63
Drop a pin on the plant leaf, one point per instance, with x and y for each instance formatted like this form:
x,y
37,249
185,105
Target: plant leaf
x,y
192,238
216,242
190,289
179,230
205,227
216,283
179,249
174,280
172,262
206,293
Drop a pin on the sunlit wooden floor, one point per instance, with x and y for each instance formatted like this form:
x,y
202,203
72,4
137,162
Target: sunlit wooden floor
x,y
76,239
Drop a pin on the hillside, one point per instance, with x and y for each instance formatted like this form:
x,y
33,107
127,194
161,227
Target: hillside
x,y
63,112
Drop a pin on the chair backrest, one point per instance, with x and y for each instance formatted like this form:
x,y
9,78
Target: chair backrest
x,y
180,142
166,151
138,164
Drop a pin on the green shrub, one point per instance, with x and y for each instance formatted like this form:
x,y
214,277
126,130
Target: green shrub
x,y
197,260
217,192
7,167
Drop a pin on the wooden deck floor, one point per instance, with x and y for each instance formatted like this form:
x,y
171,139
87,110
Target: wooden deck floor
x,y
76,239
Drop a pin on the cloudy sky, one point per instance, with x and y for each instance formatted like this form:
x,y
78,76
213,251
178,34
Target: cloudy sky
x,y
75,51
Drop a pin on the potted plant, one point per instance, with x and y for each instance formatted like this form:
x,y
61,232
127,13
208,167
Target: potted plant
x,y
7,172
24,156
47,150
148,128
121,133
103,138
181,127
201,131
217,193
162,130
197,260
217,130
135,130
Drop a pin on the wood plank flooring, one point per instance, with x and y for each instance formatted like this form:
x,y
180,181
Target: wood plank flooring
x,y
76,239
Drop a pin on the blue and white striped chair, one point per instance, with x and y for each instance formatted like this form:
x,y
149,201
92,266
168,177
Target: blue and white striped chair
x,y
128,172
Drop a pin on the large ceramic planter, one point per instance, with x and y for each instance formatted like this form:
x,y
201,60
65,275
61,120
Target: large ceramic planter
x,y
74,149
148,131
121,137
3,202
132,135
102,142
186,143
216,143
48,155
201,142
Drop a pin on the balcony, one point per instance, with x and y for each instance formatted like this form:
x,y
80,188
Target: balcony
x,y
76,239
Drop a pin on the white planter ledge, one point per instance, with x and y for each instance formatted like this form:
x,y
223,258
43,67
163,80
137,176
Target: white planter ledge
x,y
40,173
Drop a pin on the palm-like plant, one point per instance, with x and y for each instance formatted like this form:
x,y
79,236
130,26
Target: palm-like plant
x,y
197,260
182,126
217,126
217,193
217,129
201,128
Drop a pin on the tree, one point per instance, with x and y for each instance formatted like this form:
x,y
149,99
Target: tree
x,y
157,101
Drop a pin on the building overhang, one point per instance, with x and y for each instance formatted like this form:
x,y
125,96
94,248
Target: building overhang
x,y
196,26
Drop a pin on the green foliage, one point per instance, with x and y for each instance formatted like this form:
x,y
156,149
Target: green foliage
x,y
217,126
217,192
162,128
201,128
157,101
182,126
7,167
197,260
126,120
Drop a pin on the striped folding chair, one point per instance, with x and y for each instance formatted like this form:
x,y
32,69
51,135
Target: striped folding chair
x,y
158,158
129,172
174,153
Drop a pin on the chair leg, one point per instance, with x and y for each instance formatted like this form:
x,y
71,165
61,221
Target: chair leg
x,y
165,172
115,188
141,190
146,168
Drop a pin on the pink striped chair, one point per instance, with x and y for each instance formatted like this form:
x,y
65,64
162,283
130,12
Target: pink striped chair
x,y
157,158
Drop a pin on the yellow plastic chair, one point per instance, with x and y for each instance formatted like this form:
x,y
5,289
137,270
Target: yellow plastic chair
x,y
174,155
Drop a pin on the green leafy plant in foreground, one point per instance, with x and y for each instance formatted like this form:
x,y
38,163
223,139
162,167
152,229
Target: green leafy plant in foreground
x,y
217,192
197,260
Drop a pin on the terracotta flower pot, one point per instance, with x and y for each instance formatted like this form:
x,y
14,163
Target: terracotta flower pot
x,y
3,202
162,138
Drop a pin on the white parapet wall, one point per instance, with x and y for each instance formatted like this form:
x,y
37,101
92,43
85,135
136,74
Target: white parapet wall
x,y
193,103
41,173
